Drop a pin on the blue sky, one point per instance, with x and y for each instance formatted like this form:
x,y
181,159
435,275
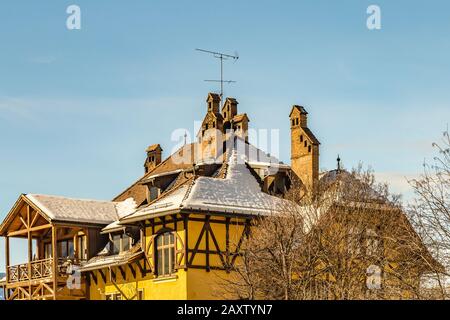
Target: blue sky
x,y
78,108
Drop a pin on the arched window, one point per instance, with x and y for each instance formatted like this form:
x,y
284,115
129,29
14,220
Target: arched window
x,y
165,254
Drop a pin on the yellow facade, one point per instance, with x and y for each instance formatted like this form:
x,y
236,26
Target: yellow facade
x,y
201,279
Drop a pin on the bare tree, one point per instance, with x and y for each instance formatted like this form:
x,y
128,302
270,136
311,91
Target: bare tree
x,y
430,216
350,240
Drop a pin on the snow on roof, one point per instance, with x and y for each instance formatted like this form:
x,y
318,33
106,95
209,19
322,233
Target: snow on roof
x,y
171,202
114,226
75,210
239,192
100,260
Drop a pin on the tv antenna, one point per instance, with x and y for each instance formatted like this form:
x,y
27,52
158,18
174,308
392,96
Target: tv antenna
x,y
221,56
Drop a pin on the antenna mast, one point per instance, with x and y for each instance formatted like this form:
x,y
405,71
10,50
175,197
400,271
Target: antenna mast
x,y
221,56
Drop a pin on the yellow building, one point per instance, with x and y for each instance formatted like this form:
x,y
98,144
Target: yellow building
x,y
176,233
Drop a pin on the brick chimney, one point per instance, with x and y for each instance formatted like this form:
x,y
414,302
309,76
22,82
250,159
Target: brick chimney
x,y
154,153
304,149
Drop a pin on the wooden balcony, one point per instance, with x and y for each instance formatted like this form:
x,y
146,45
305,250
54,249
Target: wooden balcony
x,y
38,270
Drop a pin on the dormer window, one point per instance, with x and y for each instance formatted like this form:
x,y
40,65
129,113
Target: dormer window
x,y
120,243
154,193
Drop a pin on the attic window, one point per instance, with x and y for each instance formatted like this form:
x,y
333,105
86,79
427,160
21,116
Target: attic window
x,y
154,193
293,122
120,243
309,148
213,124
301,138
224,114
306,143
209,106
206,126
296,121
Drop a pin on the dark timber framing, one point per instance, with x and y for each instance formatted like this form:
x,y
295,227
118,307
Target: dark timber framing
x,y
207,235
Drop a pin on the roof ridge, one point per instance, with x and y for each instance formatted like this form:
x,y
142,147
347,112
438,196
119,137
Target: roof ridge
x,y
70,198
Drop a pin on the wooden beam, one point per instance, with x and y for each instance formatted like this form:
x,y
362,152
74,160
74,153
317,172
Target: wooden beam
x,y
197,244
94,276
217,221
25,231
186,240
7,264
23,222
102,275
123,273
112,274
216,244
207,243
30,250
174,217
133,270
227,243
55,260
205,268
36,215
141,269
245,234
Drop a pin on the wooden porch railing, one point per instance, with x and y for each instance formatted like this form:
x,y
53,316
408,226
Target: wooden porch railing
x,y
38,269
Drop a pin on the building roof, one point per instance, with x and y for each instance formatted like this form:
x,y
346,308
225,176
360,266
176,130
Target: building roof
x,y
299,108
153,147
183,158
237,192
105,260
240,117
213,96
58,208
311,135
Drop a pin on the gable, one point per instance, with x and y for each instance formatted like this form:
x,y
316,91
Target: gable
x,y
22,214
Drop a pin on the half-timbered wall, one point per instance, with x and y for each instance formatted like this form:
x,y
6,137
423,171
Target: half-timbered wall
x,y
201,267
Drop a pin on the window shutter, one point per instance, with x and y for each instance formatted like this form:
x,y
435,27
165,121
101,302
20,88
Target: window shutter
x,y
179,252
150,253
